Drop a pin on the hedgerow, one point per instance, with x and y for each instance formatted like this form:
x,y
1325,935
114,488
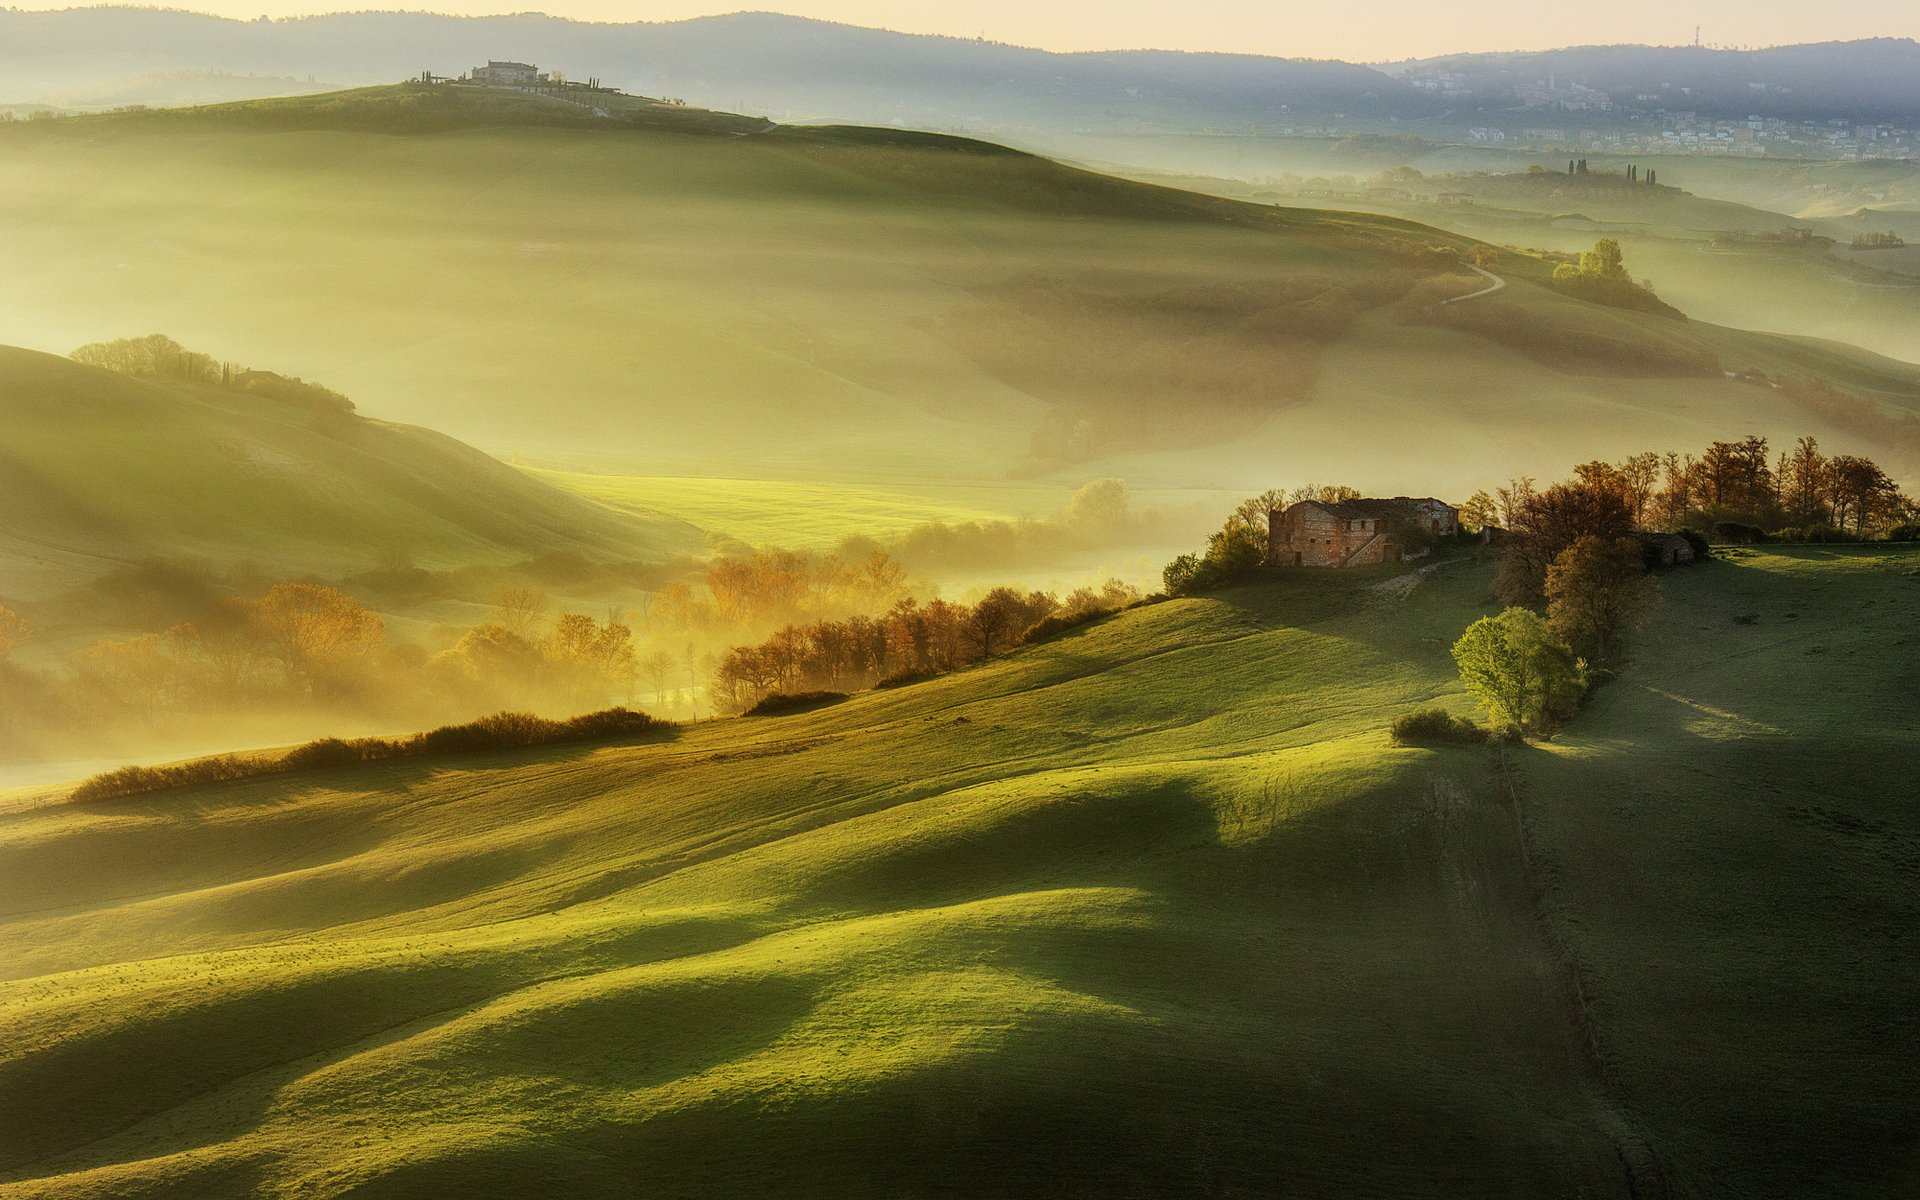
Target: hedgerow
x,y
499,731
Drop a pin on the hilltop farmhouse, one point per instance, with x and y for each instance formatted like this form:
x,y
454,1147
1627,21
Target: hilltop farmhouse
x,y
1357,533
508,74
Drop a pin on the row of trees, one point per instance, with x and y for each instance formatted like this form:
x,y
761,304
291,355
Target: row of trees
x,y
303,647
768,588
911,639
1801,490
157,356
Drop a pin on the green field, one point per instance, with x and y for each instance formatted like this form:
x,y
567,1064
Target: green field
x,y
874,308
1151,910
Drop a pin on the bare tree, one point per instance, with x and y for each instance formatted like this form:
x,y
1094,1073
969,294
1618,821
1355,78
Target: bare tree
x,y
520,610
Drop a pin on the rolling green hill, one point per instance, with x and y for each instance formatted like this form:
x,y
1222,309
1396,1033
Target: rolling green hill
x,y
825,304
1150,910
100,471
1704,252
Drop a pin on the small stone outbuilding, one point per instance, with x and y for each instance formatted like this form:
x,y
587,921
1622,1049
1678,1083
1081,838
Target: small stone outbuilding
x,y
1666,549
1356,533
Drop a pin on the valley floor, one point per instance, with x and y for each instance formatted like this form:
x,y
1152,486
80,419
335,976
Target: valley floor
x,y
1150,910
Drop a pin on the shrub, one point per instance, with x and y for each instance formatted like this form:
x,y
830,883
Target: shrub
x,y
498,731
1815,535
611,723
776,703
1737,533
129,780
1435,726
1904,533
1059,623
331,752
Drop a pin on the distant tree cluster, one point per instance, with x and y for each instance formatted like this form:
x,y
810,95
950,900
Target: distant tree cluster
x,y
1735,491
1601,276
1575,568
762,589
308,647
912,639
158,356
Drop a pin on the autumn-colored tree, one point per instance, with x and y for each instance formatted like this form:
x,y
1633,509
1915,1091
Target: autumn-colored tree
x,y
13,631
658,667
991,624
1512,499
1640,476
1736,476
1099,510
520,610
492,661
1861,492
946,642
879,579
1598,589
589,660
1479,512
1549,522
319,634
1255,513
680,609
135,675
1804,483
1676,496
910,634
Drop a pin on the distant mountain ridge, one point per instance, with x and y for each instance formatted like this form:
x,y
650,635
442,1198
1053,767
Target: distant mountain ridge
x,y
748,61
1875,79
795,69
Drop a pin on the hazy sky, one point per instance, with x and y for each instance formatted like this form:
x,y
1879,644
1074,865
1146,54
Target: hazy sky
x,y
1371,31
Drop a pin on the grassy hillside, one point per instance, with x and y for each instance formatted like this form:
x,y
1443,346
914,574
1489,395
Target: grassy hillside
x,y
1674,235
100,471
1152,910
1733,852
838,305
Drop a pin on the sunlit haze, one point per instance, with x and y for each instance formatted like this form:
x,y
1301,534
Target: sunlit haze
x,y
1392,30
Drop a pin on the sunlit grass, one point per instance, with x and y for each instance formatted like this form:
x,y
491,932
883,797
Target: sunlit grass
x,y
1080,905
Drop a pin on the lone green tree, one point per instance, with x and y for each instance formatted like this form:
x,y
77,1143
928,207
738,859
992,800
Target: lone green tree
x,y
1598,589
1528,679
